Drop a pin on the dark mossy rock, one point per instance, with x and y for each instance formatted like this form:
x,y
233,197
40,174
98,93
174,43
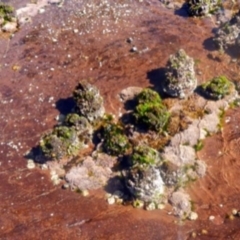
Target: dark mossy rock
x,y
144,155
217,88
89,102
152,115
80,123
61,142
115,142
203,7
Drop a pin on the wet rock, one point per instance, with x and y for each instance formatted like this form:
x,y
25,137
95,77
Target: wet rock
x,y
180,75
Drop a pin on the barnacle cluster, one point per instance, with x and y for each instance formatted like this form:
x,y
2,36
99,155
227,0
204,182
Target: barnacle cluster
x,y
228,33
89,102
76,131
180,75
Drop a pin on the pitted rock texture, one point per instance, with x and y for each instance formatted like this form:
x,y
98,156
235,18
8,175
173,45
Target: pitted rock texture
x,y
180,75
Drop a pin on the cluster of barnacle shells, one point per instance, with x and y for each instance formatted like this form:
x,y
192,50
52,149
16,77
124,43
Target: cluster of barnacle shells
x,y
228,33
180,75
89,102
76,130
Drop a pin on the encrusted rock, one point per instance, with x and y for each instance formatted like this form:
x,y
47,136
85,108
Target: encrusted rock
x,y
218,88
181,204
228,33
61,142
145,184
180,75
80,123
89,102
90,174
203,7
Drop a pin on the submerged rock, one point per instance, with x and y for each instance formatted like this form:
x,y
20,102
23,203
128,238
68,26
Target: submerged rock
x,y
180,75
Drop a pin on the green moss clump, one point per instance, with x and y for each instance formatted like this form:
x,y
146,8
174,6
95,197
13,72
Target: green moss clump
x,y
150,110
144,155
80,123
154,116
148,96
6,12
115,141
218,87
61,142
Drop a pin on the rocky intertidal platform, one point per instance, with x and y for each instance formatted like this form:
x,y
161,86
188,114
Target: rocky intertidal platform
x,y
147,156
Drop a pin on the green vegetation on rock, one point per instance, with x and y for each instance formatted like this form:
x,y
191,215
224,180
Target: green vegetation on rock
x,y
150,111
115,142
6,13
149,96
145,155
217,88
203,7
61,142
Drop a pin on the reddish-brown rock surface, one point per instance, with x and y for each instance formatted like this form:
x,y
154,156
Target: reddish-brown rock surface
x,y
42,64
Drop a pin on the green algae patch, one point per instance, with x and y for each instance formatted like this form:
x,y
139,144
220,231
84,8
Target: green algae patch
x,y
115,141
218,87
6,12
61,142
150,111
